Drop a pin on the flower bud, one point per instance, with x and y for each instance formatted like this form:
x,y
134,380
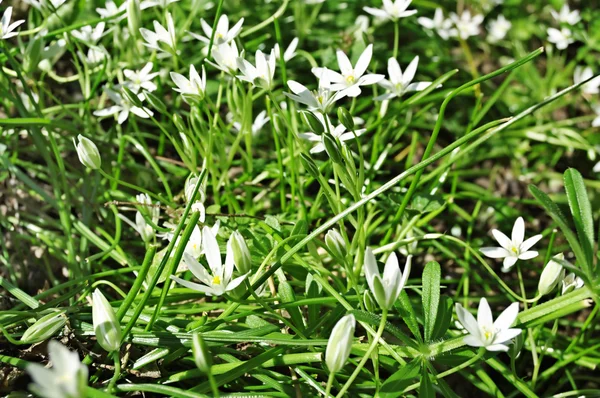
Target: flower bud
x,y
340,343
241,254
309,165
336,244
550,275
133,98
571,282
346,118
134,16
88,153
190,185
44,328
369,301
313,122
106,326
332,148
201,353
155,102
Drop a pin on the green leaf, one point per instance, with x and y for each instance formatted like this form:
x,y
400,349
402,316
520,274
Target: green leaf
x,y
554,212
426,390
374,320
431,296
396,383
582,213
407,313
443,319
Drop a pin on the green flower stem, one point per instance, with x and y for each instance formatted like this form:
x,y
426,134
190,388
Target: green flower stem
x,y
117,358
213,384
267,21
139,281
329,384
367,355
131,186
396,37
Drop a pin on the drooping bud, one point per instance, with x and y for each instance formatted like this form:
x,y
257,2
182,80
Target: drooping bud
x,y
201,353
313,122
340,343
332,148
44,328
309,165
106,325
550,275
346,118
241,254
88,153
336,243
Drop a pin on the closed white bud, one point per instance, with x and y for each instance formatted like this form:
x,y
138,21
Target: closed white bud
x,y
201,353
88,152
335,243
550,275
241,253
190,185
387,287
106,325
44,328
340,343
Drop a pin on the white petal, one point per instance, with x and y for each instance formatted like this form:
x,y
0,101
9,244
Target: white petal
x,y
494,252
508,263
191,285
411,70
235,283
528,255
506,335
467,320
197,269
363,61
212,252
528,244
484,314
518,232
504,241
497,347
343,62
473,341
508,317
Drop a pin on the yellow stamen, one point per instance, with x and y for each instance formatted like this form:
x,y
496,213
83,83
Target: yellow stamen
x,y
515,250
350,79
216,280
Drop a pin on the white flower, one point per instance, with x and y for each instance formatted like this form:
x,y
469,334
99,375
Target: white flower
x,y
161,35
393,10
441,25
154,3
596,123
566,15
400,83
123,108
141,79
289,53
191,90
89,35
498,28
261,75
339,344
571,282
322,99
111,10
338,131
466,25
388,287
512,249
360,27
351,78
222,32
66,379
6,28
225,56
259,122
551,275
484,332
562,38
218,281
582,74
87,152
94,56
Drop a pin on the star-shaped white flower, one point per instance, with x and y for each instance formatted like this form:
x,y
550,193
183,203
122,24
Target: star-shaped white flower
x,y
393,10
163,36
387,287
259,122
498,28
466,25
218,281
141,79
89,35
338,131
222,32
260,75
123,108
290,51
68,377
225,56
192,89
561,38
351,78
484,332
400,83
565,15
439,23
582,74
512,249
110,9
322,99
6,28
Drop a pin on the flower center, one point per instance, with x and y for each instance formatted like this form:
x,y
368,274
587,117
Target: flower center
x,y
350,79
488,335
216,280
515,250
